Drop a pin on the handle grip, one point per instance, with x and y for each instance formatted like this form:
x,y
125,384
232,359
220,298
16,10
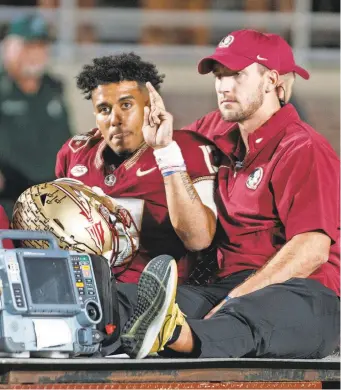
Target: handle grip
x,y
27,235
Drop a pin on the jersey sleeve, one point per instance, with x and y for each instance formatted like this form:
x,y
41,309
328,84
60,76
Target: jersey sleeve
x,y
306,191
71,147
200,155
62,161
202,161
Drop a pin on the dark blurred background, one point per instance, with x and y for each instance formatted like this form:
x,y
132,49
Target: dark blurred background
x,y
175,34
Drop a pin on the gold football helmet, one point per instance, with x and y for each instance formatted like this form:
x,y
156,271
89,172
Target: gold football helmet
x,y
81,219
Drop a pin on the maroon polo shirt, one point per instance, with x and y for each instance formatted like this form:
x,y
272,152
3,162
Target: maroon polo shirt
x,y
288,184
211,125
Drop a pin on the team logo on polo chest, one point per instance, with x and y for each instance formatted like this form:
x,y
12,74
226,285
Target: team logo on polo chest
x,y
254,179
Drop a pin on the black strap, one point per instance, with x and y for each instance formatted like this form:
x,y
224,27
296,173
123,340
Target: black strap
x,y
206,266
106,285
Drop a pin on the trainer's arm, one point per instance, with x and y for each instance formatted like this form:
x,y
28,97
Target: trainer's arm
x,y
298,258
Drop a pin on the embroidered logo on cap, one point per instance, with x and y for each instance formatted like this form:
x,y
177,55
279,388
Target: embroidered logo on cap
x,y
79,170
254,179
226,42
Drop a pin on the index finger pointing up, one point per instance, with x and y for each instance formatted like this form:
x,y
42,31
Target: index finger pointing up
x,y
155,98
152,91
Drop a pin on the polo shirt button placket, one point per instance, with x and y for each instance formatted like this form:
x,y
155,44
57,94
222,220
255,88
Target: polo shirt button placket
x,y
238,166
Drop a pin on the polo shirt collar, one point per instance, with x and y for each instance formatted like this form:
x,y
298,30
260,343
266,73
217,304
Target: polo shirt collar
x,y
230,141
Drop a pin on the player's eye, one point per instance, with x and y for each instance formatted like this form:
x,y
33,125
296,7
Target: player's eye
x,y
104,110
126,105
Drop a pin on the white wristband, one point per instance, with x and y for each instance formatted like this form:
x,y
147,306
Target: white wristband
x,y
169,156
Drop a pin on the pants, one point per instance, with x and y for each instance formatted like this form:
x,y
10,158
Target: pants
x,y
296,319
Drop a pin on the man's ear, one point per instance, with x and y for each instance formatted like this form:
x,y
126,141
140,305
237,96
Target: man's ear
x,y
280,90
273,81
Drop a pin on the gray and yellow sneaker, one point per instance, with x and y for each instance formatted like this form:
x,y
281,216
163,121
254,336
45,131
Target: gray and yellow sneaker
x,y
156,315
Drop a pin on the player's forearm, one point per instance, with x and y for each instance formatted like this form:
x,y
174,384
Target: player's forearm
x,y
298,258
193,222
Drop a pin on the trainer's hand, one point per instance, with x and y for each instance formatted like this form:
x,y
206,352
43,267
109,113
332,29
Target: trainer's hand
x,y
215,309
157,123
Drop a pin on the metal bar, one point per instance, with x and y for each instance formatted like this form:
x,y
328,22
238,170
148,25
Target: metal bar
x,y
67,27
175,385
117,17
185,54
301,30
105,375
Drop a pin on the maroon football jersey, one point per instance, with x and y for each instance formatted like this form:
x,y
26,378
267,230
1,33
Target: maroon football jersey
x,y
137,184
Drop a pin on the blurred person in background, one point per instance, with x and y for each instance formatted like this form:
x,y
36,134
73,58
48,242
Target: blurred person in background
x,y
33,118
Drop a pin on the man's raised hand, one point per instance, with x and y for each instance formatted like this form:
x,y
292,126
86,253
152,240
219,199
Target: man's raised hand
x,y
157,123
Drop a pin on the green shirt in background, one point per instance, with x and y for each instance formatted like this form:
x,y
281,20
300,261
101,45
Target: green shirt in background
x,y
33,127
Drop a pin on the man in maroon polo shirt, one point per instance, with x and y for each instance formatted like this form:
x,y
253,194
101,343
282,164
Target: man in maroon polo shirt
x,y
213,124
277,289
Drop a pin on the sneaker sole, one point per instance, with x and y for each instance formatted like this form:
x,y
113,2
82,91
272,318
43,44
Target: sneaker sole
x,y
154,295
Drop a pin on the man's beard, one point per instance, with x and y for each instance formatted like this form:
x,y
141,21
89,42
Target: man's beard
x,y
242,114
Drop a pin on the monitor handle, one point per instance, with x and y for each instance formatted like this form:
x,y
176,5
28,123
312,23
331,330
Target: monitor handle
x,y
28,235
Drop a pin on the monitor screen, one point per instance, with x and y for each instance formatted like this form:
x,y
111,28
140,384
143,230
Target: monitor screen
x,y
49,281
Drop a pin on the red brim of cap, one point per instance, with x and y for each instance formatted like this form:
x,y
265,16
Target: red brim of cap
x,y
301,72
232,62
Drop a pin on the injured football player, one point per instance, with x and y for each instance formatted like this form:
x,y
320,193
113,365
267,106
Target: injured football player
x,y
163,179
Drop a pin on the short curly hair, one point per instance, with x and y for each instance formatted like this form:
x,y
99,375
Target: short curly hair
x,y
117,68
